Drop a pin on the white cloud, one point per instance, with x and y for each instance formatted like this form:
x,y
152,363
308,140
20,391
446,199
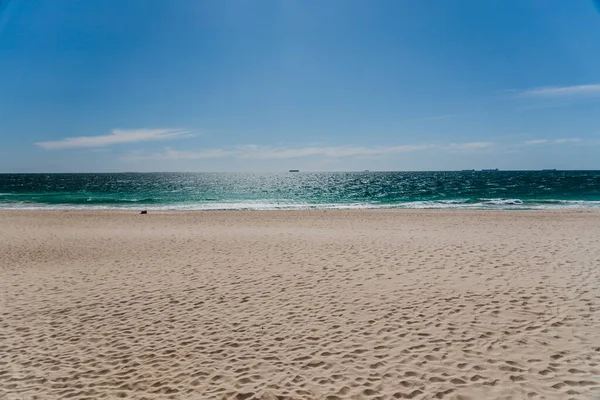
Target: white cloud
x,y
566,140
271,153
332,152
555,141
536,141
563,91
469,146
268,152
117,136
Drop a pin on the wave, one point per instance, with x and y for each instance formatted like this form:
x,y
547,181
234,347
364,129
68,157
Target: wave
x,y
507,202
474,204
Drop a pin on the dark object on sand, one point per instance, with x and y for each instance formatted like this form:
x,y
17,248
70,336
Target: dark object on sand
x,y
144,212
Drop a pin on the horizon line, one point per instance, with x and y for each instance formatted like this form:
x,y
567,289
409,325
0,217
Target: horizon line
x,y
300,171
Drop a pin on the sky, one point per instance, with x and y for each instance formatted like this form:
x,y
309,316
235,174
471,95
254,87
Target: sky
x,y
336,85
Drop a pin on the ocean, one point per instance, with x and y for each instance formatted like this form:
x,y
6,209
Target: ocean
x,y
512,190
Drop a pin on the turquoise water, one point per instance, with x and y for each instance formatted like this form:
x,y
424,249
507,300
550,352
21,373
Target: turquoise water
x,y
211,191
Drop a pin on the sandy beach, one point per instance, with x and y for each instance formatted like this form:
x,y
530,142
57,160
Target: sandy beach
x,y
362,304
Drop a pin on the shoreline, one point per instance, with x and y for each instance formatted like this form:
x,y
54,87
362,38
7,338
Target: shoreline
x,y
593,210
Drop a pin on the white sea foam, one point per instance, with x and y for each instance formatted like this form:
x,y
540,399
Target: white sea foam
x,y
483,204
508,202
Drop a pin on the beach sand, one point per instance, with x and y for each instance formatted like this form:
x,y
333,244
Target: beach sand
x,y
362,304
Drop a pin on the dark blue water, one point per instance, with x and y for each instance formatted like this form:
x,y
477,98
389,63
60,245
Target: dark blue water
x,y
494,189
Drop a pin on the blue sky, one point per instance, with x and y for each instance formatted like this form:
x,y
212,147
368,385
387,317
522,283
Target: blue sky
x,y
152,85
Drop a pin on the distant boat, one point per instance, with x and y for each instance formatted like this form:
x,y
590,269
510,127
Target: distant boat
x,y
294,170
489,170
366,170
551,169
467,170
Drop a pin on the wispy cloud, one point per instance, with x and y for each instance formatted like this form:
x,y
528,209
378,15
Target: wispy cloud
x,y
567,140
117,136
555,92
536,141
553,141
469,146
268,152
331,152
